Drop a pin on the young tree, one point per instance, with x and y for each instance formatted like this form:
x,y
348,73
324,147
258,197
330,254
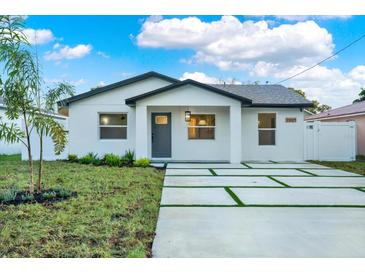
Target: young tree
x,y
46,125
361,96
317,106
19,86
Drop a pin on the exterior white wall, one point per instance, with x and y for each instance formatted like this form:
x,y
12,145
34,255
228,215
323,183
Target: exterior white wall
x,y
289,136
6,148
84,119
48,146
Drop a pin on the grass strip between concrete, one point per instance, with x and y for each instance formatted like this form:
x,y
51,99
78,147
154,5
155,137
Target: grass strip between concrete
x,y
234,196
305,171
213,172
277,181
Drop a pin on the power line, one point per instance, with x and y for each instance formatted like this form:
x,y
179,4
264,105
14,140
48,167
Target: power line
x,y
324,60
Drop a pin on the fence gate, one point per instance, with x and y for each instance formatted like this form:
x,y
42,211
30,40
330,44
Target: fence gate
x,y
330,141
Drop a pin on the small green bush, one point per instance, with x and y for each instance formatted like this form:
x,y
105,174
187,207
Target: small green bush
x,y
88,159
27,197
112,160
49,195
72,158
63,193
129,157
8,195
143,162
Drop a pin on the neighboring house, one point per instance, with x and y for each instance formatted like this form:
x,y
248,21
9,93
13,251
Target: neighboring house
x,y
162,118
6,148
354,112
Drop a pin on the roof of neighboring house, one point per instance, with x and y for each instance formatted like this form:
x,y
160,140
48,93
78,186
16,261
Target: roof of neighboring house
x,y
251,95
349,110
117,85
267,95
244,100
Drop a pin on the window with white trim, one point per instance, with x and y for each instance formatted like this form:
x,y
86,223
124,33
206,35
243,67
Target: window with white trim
x,y
201,126
113,126
267,129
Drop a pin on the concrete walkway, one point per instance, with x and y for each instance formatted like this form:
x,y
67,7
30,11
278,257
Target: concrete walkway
x,y
260,210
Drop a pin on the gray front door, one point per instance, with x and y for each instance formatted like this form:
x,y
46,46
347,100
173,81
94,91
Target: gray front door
x,y
161,135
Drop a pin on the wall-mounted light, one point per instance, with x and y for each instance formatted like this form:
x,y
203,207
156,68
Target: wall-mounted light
x,y
187,116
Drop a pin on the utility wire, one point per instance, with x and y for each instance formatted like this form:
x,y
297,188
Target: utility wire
x,y
324,60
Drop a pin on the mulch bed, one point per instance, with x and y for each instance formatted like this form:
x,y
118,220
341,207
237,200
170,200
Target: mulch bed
x,y
47,196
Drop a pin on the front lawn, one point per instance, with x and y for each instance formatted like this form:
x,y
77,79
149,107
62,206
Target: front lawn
x,y
357,166
114,214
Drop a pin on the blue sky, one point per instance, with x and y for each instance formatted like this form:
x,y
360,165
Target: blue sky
x,y
97,50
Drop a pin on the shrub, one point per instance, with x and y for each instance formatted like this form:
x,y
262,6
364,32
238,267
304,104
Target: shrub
x,y
88,159
63,193
27,197
129,157
143,162
112,160
8,195
72,158
49,195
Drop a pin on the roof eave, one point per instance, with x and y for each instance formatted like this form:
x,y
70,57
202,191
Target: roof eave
x,y
132,101
122,83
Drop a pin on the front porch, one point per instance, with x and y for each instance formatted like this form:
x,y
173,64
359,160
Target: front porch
x,y
214,136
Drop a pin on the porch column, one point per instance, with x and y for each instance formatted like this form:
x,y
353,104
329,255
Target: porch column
x,y
141,131
235,133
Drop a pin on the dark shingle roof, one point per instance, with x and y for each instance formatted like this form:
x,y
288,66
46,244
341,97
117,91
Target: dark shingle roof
x,y
261,95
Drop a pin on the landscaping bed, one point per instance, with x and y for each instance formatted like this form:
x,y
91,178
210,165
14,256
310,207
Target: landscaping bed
x,y
114,214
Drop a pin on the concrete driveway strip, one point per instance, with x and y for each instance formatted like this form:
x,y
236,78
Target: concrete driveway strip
x,y
331,172
204,165
213,181
260,232
323,181
196,196
171,171
255,172
300,196
287,166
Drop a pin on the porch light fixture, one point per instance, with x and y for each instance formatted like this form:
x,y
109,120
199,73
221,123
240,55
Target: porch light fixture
x,y
187,116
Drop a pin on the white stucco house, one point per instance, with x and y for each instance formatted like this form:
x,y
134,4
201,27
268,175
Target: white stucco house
x,y
6,148
162,118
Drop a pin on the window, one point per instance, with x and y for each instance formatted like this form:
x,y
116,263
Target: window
x,y
161,120
267,129
290,120
113,126
201,126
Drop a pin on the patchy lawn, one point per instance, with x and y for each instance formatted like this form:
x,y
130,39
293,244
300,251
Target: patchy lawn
x,y
357,166
114,215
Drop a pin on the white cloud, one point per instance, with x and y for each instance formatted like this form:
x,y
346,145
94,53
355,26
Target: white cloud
x,y
328,85
39,36
103,54
101,84
358,73
56,46
203,78
76,83
231,44
67,52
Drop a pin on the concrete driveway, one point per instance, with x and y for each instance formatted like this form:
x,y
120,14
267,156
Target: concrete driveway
x,y
260,210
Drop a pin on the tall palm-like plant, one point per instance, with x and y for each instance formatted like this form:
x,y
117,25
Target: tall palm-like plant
x,y
20,84
46,125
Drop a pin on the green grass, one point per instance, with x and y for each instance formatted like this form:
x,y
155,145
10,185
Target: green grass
x,y
114,215
14,157
357,166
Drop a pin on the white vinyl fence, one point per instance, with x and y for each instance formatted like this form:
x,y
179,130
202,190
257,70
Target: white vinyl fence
x,y
48,146
330,141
